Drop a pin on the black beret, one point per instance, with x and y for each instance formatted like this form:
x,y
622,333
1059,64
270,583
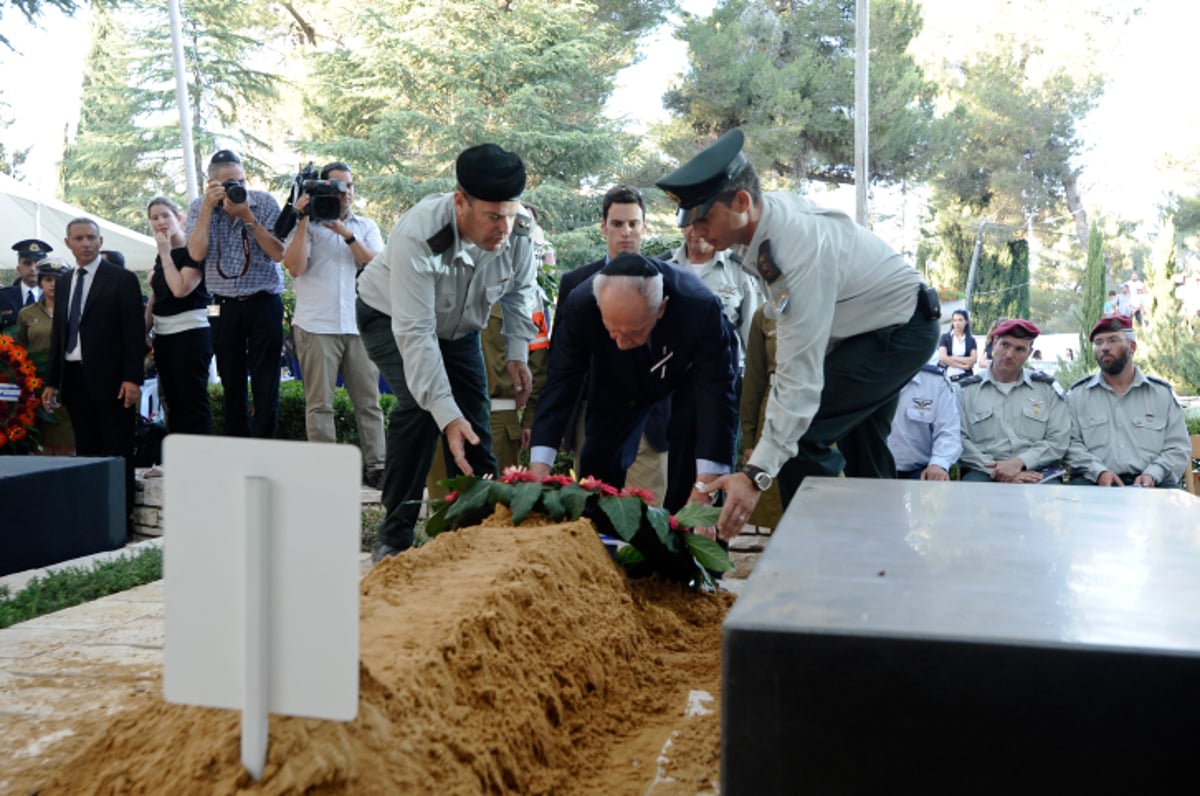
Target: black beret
x,y
630,264
489,173
225,156
32,249
114,257
695,185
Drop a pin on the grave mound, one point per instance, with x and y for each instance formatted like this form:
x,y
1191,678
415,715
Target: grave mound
x,y
493,660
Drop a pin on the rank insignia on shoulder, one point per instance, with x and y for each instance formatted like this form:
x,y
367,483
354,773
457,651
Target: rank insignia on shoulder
x,y
1037,375
1081,381
937,370
766,263
973,379
441,240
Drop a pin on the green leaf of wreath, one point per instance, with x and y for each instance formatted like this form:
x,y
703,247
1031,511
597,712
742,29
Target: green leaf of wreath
x,y
574,499
525,497
693,515
708,553
553,504
660,521
475,498
625,513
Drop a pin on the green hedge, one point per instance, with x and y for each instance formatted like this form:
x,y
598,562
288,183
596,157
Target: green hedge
x,y
291,412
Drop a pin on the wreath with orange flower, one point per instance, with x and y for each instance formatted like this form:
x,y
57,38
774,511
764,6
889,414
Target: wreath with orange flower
x,y
19,401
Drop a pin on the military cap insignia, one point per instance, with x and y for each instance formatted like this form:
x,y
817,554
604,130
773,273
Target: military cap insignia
x,y
34,248
441,240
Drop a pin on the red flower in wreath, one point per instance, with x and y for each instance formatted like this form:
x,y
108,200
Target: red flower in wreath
x,y
593,484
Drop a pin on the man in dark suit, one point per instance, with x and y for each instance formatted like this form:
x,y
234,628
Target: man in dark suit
x,y
25,290
646,331
96,347
622,222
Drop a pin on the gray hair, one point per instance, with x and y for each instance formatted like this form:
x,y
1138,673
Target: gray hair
x,y
649,288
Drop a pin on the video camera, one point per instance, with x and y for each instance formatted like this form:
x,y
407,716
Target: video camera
x,y
325,203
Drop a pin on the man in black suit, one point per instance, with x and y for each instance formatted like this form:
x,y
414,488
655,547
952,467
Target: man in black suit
x,y
646,331
622,222
96,348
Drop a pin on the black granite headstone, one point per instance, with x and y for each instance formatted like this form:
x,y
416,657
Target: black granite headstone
x,y
967,638
55,508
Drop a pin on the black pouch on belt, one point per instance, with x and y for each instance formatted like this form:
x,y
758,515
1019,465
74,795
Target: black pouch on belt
x,y
928,302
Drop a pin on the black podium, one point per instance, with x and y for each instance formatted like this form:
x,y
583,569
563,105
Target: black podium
x,y
904,636
55,508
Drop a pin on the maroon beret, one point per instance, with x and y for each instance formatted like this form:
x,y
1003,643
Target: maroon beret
x,y
1112,323
1017,327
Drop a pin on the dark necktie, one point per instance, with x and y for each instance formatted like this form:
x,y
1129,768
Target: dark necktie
x,y
29,298
76,309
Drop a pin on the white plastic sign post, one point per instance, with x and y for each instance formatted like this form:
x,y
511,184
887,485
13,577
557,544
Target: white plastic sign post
x,y
262,571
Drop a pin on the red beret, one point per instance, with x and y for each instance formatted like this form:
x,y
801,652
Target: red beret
x,y
1017,327
1112,323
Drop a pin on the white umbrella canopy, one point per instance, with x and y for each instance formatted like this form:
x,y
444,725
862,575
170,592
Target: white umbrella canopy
x,y
24,213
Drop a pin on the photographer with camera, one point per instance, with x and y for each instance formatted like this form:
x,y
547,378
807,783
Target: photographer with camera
x,y
229,230
324,254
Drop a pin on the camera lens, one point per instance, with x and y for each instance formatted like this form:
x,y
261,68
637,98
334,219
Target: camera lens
x,y
234,191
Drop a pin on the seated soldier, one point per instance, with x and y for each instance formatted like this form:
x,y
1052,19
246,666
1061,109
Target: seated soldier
x,y
926,435
1014,421
1127,428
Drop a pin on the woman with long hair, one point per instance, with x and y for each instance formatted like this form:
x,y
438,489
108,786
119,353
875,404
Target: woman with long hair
x,y
957,349
177,314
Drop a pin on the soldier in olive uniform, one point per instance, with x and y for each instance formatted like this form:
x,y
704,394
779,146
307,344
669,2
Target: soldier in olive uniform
x,y
1127,428
421,304
1014,421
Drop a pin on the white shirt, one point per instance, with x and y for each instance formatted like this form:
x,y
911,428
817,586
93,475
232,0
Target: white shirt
x,y
325,292
76,355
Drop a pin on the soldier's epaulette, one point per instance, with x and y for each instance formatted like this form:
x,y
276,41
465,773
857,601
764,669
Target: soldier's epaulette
x,y
937,370
1163,382
1045,378
523,226
1081,381
972,379
441,240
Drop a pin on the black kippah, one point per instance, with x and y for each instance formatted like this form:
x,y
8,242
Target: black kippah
x,y
630,264
490,173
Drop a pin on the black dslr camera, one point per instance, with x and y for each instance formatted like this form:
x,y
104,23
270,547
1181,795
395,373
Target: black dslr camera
x,y
325,203
234,191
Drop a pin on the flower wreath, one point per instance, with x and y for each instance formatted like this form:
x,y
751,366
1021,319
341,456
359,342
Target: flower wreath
x,y
656,541
18,407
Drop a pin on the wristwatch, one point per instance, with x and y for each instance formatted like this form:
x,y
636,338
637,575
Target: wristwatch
x,y
350,240
759,478
250,225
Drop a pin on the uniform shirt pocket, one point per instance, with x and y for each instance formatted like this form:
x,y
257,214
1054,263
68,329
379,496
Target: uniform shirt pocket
x,y
1033,421
1148,432
1094,430
918,415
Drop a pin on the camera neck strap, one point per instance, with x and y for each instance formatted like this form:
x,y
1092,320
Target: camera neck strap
x,y
245,251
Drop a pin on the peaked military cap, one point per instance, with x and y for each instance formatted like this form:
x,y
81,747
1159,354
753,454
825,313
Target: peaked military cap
x,y
32,249
695,185
50,268
113,256
1019,328
490,173
1112,323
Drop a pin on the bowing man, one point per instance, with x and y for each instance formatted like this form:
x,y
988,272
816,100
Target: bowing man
x,y
646,331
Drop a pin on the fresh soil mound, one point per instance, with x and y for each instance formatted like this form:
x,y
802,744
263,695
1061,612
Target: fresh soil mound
x,y
493,660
